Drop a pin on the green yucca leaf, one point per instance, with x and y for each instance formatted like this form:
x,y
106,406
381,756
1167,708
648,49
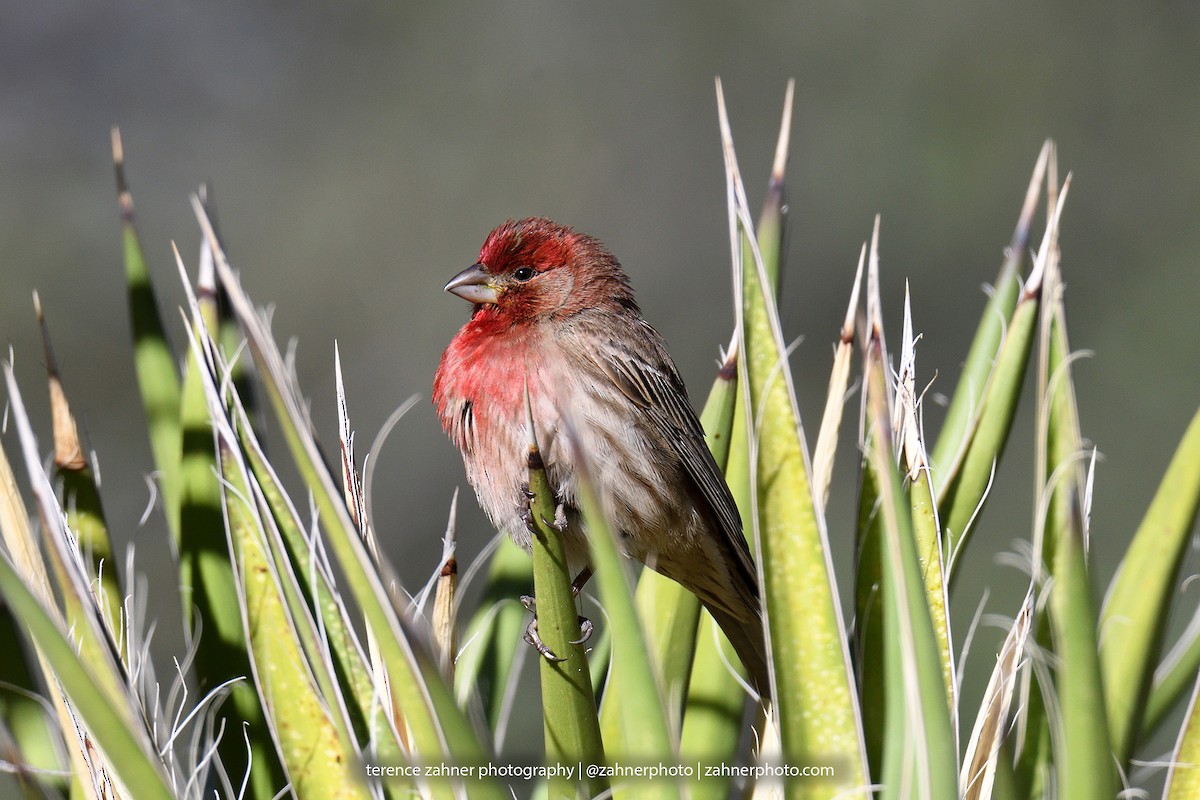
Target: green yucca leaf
x,y
868,618
80,495
962,498
570,722
80,608
923,502
208,587
869,627
1183,778
772,221
157,370
81,672
345,652
965,404
316,752
812,686
919,756
123,744
1173,677
348,660
1033,768
488,657
1134,613
272,608
669,613
1083,761
634,721
712,722
716,701
439,729
31,727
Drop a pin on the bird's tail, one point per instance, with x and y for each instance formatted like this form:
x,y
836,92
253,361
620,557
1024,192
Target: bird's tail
x,y
746,636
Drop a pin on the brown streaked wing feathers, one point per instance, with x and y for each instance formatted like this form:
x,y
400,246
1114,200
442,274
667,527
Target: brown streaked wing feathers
x,y
649,379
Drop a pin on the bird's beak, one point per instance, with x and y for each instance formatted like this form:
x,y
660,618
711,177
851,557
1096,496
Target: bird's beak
x,y
473,284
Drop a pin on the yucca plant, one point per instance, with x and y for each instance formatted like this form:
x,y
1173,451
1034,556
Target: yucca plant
x,y
312,671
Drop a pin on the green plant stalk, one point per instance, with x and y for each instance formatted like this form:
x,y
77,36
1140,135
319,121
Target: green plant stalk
x,y
1135,612
157,373
570,722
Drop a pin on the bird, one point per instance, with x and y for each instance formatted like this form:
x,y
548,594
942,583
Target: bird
x,y
554,319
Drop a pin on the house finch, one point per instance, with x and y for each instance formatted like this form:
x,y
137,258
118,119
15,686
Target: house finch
x,y
554,311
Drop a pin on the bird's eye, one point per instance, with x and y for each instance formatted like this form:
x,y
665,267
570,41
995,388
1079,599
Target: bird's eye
x,y
524,273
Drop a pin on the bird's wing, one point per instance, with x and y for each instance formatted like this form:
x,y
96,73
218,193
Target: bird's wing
x,y
646,375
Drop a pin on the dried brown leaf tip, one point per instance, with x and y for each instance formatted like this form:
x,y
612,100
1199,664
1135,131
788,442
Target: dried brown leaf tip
x,y
68,451
124,197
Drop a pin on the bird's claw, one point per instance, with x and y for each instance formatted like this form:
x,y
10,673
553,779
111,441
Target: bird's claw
x,y
585,630
531,636
531,630
526,506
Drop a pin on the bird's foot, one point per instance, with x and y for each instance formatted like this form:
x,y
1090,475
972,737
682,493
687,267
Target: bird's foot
x,y
531,636
586,628
560,512
526,508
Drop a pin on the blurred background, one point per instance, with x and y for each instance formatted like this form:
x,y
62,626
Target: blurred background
x,y
360,153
